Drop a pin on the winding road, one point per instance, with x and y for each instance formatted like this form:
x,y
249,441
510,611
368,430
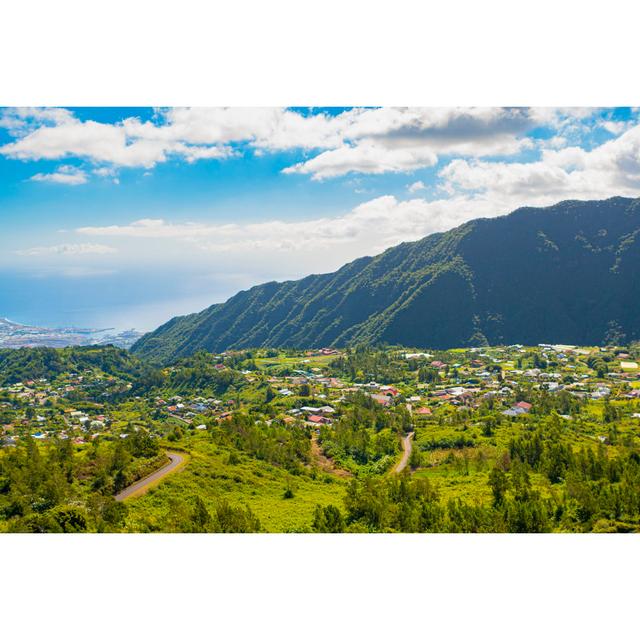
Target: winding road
x,y
406,452
139,487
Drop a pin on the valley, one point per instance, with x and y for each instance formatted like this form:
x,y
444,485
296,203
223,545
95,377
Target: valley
x,y
366,439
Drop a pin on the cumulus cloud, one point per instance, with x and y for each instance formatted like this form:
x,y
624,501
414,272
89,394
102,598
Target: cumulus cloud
x,y
365,158
610,169
379,140
112,144
271,128
64,175
19,120
105,172
469,188
94,140
416,186
406,139
191,133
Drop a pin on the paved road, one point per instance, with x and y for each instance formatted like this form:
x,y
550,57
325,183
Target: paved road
x,y
139,486
406,446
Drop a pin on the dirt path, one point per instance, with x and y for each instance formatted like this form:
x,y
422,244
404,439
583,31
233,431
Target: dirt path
x,y
326,464
406,452
143,485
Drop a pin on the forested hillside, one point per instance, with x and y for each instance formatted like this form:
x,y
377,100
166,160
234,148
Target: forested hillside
x,y
565,273
17,365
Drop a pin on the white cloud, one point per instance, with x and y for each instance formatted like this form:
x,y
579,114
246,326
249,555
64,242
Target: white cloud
x,y
389,139
267,128
68,250
96,141
64,175
370,227
194,153
112,144
152,228
611,169
105,172
471,188
19,120
405,139
616,127
416,186
365,158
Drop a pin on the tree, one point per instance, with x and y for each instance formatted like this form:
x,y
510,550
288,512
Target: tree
x,y
328,519
201,518
269,395
304,390
487,426
415,459
235,519
499,484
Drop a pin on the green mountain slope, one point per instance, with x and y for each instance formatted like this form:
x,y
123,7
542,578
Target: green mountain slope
x,y
566,273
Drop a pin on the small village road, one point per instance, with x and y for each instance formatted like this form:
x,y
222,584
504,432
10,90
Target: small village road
x,y
406,452
176,459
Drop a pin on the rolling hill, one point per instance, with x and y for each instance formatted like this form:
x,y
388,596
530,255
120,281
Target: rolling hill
x,y
566,273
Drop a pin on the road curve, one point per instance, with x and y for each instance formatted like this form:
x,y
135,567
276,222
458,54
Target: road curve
x,y
139,487
406,447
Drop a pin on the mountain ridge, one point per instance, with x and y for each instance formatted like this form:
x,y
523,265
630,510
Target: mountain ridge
x,y
554,274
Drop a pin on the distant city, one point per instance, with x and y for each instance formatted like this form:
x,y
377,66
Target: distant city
x,y
14,335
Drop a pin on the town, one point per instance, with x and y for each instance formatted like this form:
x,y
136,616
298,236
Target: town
x,y
318,419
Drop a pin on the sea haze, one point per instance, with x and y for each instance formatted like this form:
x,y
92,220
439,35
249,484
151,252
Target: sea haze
x,y
122,300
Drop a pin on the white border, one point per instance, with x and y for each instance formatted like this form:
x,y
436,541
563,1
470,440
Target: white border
x,y
334,52
73,52
310,586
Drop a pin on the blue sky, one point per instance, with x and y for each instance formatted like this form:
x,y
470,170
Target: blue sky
x,y
125,217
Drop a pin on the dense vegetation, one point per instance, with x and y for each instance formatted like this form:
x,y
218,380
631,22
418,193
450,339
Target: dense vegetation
x,y
566,273
599,493
17,365
304,441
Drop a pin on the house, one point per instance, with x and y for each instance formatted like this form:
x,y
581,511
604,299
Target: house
x,y
424,411
389,391
514,411
326,410
319,420
385,401
523,405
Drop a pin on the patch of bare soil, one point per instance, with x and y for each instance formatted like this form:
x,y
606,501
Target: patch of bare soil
x,y
325,463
